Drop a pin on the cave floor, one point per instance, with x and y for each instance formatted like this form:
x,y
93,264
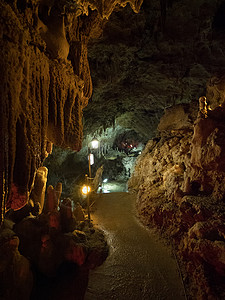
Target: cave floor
x,y
139,265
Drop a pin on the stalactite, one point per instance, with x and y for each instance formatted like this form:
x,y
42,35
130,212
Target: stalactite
x,y
105,8
42,92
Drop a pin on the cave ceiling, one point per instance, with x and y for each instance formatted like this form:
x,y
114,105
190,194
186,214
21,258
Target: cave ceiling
x,y
144,63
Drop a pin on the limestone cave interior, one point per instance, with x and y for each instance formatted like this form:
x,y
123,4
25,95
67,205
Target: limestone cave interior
x,y
146,78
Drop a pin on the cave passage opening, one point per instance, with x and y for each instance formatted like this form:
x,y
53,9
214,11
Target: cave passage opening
x,y
113,163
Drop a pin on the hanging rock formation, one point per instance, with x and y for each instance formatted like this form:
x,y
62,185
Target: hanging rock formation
x,y
45,82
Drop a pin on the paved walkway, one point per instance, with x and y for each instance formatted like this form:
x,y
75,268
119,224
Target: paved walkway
x,y
139,266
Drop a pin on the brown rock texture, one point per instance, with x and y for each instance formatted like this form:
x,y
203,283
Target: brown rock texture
x,y
45,81
208,154
180,183
15,272
47,254
148,62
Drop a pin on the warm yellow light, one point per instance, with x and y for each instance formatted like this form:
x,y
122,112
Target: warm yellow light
x,y
85,189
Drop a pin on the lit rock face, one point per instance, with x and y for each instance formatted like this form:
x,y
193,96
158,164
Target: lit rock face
x,y
45,81
207,156
207,161
180,180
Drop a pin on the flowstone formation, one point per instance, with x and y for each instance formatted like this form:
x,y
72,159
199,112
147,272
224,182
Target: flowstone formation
x,y
45,83
180,183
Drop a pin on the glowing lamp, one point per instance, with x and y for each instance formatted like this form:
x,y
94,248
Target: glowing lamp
x,y
85,189
94,144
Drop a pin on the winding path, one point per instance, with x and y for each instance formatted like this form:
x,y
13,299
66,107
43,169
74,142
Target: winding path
x,y
139,266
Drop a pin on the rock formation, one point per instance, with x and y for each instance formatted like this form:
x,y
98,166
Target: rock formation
x,y
147,62
56,245
180,181
45,82
15,271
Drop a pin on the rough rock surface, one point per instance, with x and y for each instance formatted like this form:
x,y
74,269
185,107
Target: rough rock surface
x,y
48,256
147,62
179,178
15,272
45,81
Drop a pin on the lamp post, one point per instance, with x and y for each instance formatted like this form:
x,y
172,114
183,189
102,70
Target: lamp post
x,y
93,145
85,190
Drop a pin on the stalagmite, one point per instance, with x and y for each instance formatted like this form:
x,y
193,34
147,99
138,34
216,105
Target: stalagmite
x,y
52,203
38,191
58,190
78,213
68,221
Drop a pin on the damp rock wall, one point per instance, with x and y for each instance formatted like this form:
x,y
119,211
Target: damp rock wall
x,y
45,83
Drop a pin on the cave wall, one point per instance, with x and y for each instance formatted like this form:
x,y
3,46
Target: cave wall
x,y
180,183
45,83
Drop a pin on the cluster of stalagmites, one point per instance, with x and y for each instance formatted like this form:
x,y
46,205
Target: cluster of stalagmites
x,y
47,247
180,180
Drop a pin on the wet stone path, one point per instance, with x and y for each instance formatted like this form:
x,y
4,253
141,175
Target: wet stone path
x,y
139,266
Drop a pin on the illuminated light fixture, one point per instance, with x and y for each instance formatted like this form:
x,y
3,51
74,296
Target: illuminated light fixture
x,y
105,180
94,144
91,159
85,189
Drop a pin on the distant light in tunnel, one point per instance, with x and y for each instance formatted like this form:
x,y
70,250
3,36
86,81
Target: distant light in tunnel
x,y
85,189
106,191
